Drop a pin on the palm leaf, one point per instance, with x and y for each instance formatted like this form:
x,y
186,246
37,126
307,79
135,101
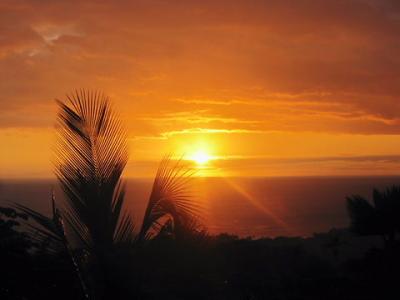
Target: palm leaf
x,y
91,155
50,234
170,199
45,231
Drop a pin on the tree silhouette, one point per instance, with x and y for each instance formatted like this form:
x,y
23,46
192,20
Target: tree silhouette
x,y
381,217
91,155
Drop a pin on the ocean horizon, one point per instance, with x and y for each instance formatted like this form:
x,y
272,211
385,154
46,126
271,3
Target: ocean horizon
x,y
244,206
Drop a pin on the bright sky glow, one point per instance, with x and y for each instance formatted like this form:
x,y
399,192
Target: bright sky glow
x,y
201,157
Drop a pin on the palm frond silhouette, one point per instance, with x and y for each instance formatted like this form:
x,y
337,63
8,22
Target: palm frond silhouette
x,y
378,217
49,233
91,156
46,231
170,204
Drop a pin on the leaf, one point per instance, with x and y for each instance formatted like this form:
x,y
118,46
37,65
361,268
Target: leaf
x,y
91,156
170,199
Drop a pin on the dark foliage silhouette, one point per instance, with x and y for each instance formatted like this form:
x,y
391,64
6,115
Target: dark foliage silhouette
x,y
379,217
170,207
12,241
91,155
50,237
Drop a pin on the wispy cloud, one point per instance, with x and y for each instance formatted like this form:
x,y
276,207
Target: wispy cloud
x,y
195,117
207,131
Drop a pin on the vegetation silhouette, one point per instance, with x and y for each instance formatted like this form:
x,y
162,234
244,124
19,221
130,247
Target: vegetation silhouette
x,y
91,156
381,217
380,268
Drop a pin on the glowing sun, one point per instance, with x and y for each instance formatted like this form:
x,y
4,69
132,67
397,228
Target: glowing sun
x,y
200,157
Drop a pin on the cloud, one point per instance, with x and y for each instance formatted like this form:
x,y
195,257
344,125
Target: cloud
x,y
207,131
301,160
195,118
308,166
320,65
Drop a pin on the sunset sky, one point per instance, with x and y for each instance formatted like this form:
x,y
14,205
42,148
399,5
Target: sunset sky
x,y
261,88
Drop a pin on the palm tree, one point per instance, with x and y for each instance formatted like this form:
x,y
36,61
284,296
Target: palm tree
x,y
170,204
381,217
91,155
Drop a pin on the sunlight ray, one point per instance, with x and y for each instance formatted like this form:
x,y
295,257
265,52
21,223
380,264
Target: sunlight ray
x,y
257,204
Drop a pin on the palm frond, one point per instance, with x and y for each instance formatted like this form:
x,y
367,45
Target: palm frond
x,y
91,156
50,234
362,215
45,231
170,198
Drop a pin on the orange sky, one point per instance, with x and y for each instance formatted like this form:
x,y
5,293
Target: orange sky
x,y
305,87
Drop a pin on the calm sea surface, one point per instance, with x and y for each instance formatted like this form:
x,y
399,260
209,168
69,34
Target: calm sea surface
x,y
243,206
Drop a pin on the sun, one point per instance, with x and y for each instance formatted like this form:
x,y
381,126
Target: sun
x,y
200,157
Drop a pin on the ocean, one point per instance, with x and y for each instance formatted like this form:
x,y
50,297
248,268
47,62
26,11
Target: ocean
x,y
257,207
